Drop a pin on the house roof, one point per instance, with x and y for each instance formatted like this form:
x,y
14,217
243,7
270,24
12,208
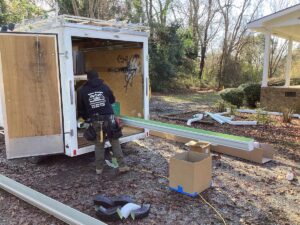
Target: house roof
x,y
284,23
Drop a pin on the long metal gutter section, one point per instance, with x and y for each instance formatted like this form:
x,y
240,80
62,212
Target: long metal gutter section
x,y
215,138
49,205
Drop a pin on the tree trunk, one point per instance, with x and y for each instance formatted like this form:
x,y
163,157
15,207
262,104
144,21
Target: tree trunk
x,y
202,61
205,39
91,8
151,19
75,7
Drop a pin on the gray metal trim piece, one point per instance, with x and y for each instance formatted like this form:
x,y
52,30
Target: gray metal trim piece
x,y
243,145
34,146
49,205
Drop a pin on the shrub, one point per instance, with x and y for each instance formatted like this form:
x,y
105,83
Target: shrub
x,y
252,94
242,86
261,117
287,115
235,96
220,106
233,110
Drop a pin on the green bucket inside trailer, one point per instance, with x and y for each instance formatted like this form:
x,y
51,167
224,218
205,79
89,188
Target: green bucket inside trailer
x,y
116,108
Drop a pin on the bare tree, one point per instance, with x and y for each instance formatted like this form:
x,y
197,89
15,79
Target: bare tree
x,y
194,19
202,13
234,31
276,5
149,12
75,7
163,11
205,36
91,7
278,51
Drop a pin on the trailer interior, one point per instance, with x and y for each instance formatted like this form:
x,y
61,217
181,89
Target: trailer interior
x,y
120,65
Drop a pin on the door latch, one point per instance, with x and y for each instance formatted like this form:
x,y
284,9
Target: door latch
x,y
66,54
71,132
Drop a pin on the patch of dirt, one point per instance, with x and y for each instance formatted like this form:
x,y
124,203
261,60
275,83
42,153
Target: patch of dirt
x,y
243,192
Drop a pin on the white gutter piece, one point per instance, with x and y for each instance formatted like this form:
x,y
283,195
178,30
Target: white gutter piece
x,y
216,117
252,111
196,117
232,122
48,205
224,119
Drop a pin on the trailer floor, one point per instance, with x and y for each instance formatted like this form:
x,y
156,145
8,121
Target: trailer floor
x,y
243,192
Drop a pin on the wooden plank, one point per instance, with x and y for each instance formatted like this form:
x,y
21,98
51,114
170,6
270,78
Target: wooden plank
x,y
111,66
47,204
31,85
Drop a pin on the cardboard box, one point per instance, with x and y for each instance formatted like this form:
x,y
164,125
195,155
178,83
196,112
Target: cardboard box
x,y
199,146
190,173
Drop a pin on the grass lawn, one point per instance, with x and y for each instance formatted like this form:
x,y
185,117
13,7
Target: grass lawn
x,y
205,98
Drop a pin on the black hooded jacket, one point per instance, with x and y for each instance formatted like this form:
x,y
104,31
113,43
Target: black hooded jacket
x,y
94,97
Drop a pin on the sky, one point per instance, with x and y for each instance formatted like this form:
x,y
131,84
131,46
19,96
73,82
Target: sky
x,y
43,5
272,6
269,6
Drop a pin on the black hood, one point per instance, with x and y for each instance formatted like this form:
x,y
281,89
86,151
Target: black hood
x,y
96,82
90,101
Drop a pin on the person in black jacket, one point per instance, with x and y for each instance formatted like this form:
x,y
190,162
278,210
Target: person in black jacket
x,y
94,101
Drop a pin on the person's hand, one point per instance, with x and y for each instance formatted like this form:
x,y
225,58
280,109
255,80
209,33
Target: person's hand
x,y
80,120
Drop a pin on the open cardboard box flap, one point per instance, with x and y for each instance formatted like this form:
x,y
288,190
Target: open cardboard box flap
x,y
260,155
199,146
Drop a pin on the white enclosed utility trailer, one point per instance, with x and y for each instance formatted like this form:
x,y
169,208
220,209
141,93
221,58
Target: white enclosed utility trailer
x,y
41,67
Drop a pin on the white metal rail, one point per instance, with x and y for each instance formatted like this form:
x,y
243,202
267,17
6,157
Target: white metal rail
x,y
241,143
49,22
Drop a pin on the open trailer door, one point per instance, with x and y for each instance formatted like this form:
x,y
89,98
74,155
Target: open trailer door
x,y
30,94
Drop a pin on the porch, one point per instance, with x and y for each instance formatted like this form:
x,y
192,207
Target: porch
x,y
284,24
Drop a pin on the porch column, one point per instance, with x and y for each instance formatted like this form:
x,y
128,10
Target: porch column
x,y
266,59
288,67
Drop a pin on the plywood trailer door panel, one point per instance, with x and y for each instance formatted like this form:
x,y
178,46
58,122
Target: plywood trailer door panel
x,y
122,70
30,94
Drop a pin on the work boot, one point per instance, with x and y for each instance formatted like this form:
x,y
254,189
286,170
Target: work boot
x,y
123,168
